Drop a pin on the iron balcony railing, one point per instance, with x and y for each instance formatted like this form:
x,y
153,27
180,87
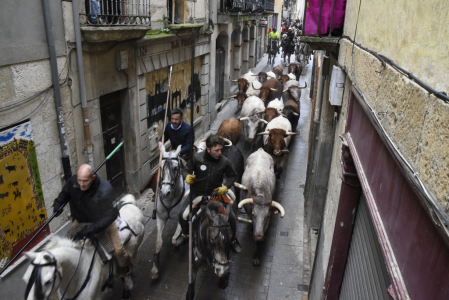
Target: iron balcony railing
x,y
117,12
245,6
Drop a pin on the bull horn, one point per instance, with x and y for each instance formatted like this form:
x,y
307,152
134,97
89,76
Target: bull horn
x,y
276,205
263,121
292,133
245,201
227,141
203,140
303,87
233,96
285,151
274,90
264,133
240,186
244,119
259,112
255,75
252,84
296,114
285,90
235,80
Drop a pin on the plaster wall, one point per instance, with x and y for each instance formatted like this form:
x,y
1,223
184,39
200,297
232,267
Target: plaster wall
x,y
411,33
413,118
278,10
20,81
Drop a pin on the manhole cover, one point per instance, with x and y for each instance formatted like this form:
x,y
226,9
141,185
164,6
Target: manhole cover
x,y
303,287
284,233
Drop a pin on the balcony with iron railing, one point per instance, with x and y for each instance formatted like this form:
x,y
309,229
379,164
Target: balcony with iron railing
x,y
114,20
323,23
243,10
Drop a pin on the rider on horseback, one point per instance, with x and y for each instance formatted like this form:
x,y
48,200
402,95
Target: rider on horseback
x,y
273,37
209,169
92,200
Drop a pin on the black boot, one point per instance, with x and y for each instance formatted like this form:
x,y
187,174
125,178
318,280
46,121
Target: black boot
x,y
235,246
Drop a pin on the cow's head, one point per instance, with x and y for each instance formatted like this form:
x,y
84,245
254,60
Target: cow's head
x,y
275,143
261,76
261,211
284,79
240,97
295,91
271,113
252,126
265,91
242,83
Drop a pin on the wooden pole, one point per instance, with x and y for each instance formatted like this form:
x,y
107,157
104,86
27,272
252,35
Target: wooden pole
x,y
160,152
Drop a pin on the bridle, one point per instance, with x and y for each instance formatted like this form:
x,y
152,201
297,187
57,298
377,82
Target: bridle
x,y
168,164
214,260
36,278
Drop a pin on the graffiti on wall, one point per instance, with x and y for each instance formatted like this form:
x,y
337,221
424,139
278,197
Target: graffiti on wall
x,y
156,86
22,206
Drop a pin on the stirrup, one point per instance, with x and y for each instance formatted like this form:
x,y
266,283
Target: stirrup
x,y
182,240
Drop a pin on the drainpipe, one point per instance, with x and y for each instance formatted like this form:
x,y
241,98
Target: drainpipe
x,y
211,20
82,86
56,89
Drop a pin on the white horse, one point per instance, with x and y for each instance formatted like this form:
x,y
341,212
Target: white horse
x,y
169,199
68,267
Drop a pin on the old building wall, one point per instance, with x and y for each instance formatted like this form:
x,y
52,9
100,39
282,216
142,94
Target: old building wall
x,y
413,117
411,33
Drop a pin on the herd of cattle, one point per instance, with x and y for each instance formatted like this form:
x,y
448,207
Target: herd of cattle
x,y
269,106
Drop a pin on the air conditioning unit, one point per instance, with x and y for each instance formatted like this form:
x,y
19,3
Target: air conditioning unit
x,y
337,86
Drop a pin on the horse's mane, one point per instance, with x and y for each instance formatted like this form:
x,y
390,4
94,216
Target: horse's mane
x,y
58,242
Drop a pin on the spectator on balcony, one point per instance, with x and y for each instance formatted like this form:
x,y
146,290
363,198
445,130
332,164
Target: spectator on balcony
x,y
95,11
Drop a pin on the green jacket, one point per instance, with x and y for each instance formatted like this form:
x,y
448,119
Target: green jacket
x,y
209,174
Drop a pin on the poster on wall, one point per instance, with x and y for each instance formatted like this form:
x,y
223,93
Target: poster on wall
x,y
22,204
156,86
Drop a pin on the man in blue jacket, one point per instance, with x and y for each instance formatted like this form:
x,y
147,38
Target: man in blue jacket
x,y
178,132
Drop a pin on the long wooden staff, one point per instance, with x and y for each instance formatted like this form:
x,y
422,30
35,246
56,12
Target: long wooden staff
x,y
191,288
160,154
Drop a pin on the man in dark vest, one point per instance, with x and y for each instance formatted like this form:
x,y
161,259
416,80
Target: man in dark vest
x,y
178,132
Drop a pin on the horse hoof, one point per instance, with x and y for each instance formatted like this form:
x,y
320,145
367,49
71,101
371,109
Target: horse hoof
x,y
256,262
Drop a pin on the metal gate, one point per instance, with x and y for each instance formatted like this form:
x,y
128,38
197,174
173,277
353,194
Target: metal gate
x,y
111,124
365,275
219,73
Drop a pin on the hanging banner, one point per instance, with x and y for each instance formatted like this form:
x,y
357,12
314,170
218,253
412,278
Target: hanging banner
x,y
22,204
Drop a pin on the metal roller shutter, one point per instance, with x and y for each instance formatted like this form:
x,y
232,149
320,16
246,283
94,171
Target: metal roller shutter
x,y
365,275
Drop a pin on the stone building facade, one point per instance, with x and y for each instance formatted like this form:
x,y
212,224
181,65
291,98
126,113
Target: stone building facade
x,y
377,186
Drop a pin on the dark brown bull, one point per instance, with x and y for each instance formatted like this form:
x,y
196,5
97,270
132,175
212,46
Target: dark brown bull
x,y
270,113
230,129
291,112
296,69
292,93
278,71
261,76
284,79
242,83
240,97
270,90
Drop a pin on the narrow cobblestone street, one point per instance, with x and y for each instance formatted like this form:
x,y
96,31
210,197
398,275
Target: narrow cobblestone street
x,y
282,271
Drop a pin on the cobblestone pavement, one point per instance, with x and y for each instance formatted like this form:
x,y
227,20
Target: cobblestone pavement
x,y
282,272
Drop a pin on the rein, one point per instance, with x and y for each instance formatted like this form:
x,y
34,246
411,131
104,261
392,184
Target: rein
x,y
174,176
36,278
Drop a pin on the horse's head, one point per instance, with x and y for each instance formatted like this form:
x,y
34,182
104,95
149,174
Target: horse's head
x,y
170,171
43,276
219,235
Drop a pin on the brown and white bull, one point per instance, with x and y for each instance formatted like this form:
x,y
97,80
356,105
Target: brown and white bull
x,y
270,90
292,92
296,69
251,117
276,139
242,83
278,71
261,76
291,112
258,185
230,129
270,113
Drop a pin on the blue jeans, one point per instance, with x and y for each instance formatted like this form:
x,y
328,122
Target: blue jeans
x,y
95,9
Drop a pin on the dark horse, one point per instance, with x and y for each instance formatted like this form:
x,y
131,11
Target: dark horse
x,y
272,50
288,47
211,242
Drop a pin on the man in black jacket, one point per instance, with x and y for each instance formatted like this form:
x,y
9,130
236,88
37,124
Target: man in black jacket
x,y
209,168
178,132
92,200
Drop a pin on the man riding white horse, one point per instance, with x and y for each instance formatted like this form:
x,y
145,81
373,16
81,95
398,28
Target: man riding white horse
x,y
92,200
209,168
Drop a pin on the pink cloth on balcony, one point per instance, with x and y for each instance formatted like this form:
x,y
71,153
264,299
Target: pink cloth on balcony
x,y
313,11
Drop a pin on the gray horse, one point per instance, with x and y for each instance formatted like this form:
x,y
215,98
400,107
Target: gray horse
x,y
171,191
